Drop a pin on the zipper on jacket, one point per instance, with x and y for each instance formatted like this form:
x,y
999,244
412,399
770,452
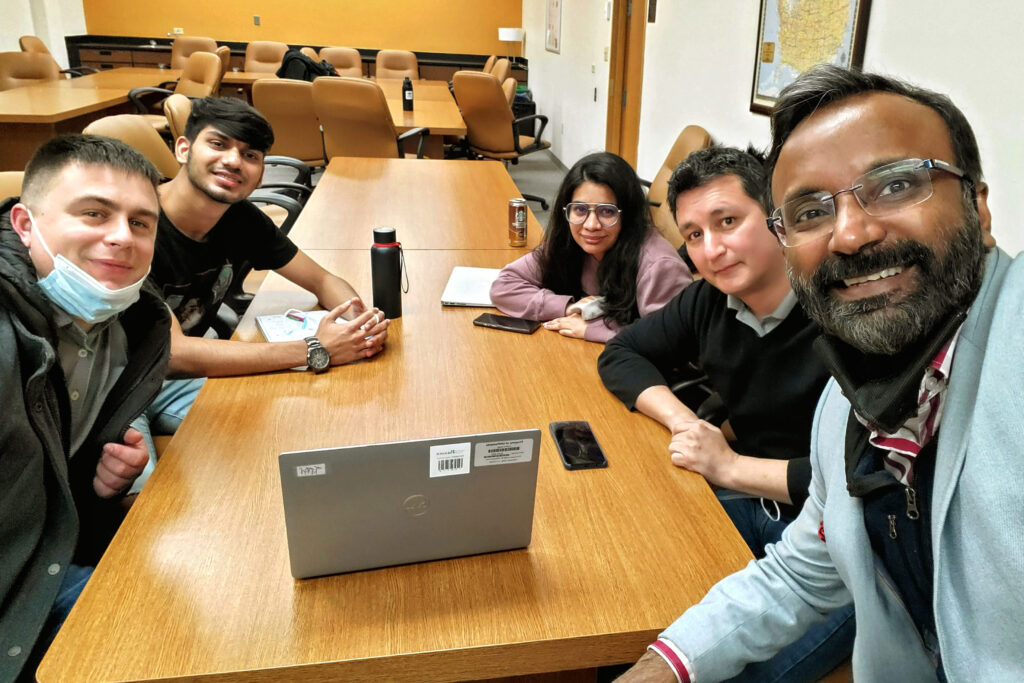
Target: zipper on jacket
x,y
892,527
912,511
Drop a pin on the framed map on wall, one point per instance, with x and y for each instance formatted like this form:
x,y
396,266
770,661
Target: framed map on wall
x,y
794,35
553,30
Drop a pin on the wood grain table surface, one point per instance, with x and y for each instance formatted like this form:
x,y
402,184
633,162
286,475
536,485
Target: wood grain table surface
x,y
196,585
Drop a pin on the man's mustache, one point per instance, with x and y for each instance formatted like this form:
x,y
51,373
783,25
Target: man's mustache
x,y
837,267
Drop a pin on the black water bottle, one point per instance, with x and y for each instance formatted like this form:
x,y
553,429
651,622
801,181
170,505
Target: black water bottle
x,y
407,94
386,272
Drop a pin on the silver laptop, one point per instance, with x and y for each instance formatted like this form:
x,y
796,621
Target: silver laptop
x,y
362,507
469,286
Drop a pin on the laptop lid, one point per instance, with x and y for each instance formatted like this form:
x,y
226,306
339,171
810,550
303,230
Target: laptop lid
x,y
469,286
361,507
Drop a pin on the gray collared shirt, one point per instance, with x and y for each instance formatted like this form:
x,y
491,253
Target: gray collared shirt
x,y
92,361
761,326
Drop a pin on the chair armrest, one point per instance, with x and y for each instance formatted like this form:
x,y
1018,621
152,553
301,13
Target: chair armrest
x,y
303,175
77,71
543,124
422,132
135,96
293,207
645,183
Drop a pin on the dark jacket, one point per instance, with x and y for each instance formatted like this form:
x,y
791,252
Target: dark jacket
x,y
49,513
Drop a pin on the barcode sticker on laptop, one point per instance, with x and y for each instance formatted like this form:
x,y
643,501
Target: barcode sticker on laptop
x,y
449,459
503,452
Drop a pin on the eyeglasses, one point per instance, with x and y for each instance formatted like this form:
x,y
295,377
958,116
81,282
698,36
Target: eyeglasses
x,y
880,192
578,212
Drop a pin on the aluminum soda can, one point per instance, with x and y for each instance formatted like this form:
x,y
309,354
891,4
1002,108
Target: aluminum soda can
x,y
517,222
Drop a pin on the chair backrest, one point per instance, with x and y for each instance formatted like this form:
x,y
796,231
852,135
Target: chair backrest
x,y
485,110
10,183
176,109
136,131
397,64
355,118
346,60
489,64
288,105
26,68
309,52
264,55
224,53
508,86
501,69
201,75
32,44
691,139
183,46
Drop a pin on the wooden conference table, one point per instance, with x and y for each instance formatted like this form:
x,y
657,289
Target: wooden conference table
x,y
197,584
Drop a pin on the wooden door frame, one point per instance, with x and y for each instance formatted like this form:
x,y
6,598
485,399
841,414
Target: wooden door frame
x,y
625,75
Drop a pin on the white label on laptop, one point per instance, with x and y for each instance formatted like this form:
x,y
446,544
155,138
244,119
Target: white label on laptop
x,y
449,459
317,470
503,452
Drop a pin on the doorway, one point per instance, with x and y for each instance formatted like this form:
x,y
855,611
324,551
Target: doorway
x,y
625,78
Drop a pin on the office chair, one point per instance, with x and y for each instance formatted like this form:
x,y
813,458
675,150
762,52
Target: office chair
x,y
691,139
508,86
26,68
490,126
264,55
176,110
200,78
224,52
357,122
501,69
183,46
137,132
288,105
489,64
10,183
346,60
309,52
397,64
34,44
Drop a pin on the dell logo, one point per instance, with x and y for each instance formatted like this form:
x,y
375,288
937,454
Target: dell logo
x,y
416,505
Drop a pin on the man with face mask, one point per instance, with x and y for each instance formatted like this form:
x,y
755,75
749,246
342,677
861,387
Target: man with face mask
x,y
918,480
85,348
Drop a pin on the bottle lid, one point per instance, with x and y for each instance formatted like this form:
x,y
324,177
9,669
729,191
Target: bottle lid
x,y
384,235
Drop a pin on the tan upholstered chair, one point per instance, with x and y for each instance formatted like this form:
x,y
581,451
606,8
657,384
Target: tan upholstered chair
x,y
26,68
200,78
690,140
501,69
346,60
264,55
508,87
10,184
183,46
309,52
356,120
34,44
489,64
397,64
176,110
288,105
135,131
224,53
490,126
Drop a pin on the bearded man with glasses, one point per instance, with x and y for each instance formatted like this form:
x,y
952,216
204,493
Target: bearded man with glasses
x,y
918,479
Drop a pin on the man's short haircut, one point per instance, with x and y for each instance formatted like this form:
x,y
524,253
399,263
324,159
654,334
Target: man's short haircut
x,y
57,153
825,84
232,117
706,165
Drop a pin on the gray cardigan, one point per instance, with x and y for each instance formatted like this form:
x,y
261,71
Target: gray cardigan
x,y
977,532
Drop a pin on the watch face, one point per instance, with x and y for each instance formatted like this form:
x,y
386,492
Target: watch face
x,y
318,358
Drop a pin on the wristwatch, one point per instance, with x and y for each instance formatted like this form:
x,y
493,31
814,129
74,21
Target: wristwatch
x,y
317,357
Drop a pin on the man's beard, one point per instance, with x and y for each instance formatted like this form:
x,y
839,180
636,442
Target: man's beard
x,y
195,175
880,324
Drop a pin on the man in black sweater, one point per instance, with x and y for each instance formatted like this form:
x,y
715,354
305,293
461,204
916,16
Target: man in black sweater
x,y
742,326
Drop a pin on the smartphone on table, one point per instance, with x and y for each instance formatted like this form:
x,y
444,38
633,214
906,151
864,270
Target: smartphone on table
x,y
577,445
504,322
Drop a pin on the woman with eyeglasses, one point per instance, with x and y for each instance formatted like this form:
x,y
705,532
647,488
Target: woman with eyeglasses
x,y
601,264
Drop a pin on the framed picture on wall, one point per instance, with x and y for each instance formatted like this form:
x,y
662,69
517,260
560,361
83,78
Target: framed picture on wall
x,y
553,32
794,36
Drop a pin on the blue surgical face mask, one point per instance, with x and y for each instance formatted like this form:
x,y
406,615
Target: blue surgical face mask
x,y
79,293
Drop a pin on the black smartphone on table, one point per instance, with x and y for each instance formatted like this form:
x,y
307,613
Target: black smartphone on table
x,y
577,445
504,322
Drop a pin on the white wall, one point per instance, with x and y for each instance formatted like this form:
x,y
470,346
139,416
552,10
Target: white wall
x,y
50,20
563,84
699,62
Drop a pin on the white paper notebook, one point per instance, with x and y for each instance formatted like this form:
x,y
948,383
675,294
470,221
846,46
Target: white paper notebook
x,y
469,286
281,328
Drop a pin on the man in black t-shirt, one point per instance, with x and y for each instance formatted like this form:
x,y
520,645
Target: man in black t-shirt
x,y
743,327
207,230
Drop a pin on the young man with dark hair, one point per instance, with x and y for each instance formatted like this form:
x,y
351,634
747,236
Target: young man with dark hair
x,y
918,482
742,326
208,229
85,347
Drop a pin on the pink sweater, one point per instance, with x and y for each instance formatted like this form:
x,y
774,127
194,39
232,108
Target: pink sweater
x,y
661,275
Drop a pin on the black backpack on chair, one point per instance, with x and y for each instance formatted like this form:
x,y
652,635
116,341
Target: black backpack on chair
x,y
300,67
